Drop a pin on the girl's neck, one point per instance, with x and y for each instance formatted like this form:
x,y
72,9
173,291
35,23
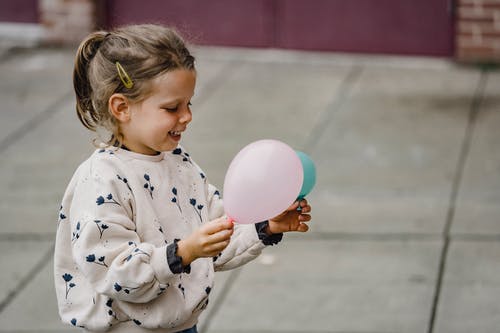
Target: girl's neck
x,y
128,149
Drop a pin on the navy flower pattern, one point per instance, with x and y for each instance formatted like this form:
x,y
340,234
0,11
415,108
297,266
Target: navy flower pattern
x,y
181,288
216,257
109,200
110,152
148,185
76,233
136,252
101,226
175,200
197,208
118,287
67,279
100,261
61,214
185,156
111,312
124,180
74,323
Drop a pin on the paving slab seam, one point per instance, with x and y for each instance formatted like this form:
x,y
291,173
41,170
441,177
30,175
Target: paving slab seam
x,y
457,180
46,258
311,235
475,238
34,122
70,330
362,237
280,56
295,331
375,237
9,52
320,58
324,119
27,236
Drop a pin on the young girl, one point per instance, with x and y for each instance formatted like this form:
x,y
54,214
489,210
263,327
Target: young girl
x,y
140,230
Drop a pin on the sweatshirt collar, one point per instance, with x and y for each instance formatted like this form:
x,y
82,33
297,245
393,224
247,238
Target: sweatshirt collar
x,y
138,156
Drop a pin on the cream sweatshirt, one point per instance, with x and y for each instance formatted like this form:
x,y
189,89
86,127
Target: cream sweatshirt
x,y
119,217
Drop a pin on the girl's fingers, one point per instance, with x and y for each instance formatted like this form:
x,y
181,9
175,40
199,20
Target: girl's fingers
x,y
211,227
220,236
296,223
216,248
306,209
217,225
303,227
304,217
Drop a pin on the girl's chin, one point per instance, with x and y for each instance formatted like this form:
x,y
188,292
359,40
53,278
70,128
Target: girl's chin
x,y
171,144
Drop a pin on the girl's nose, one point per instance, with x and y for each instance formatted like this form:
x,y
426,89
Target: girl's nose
x,y
186,116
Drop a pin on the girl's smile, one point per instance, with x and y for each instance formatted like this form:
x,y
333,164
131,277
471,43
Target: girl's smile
x,y
175,135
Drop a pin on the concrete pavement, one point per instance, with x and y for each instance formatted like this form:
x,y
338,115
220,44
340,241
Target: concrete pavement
x,y
406,224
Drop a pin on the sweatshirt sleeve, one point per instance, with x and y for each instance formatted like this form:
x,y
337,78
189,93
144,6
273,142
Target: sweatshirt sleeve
x,y
245,245
105,244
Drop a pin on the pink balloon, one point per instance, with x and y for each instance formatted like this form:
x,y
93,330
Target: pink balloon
x,y
262,181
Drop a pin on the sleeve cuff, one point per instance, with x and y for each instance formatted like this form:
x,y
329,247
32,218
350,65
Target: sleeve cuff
x,y
264,237
175,261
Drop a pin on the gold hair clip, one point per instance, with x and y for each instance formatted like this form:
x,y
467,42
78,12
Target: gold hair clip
x,y
126,80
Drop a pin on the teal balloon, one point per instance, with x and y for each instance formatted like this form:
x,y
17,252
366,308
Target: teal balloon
x,y
309,174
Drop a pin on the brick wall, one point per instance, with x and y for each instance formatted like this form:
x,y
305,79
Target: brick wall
x,y
67,21
478,31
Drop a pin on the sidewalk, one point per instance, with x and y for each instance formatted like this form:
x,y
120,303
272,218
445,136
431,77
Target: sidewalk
x,y
405,234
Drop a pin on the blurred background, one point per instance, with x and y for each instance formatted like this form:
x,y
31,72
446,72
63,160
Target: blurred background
x,y
457,29
396,101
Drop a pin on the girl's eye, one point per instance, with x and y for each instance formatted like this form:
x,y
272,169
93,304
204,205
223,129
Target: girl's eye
x,y
189,104
176,108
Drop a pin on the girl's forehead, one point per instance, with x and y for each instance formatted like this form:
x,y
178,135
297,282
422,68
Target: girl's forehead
x,y
175,76
178,81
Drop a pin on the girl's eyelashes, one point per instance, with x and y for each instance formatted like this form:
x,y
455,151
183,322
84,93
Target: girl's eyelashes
x,y
174,109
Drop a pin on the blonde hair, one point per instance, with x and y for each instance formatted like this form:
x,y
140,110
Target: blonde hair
x,y
144,51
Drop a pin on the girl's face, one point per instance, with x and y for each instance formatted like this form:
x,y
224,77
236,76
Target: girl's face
x,y
156,123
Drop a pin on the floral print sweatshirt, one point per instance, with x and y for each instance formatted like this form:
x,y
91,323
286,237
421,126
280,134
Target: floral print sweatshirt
x,y
118,223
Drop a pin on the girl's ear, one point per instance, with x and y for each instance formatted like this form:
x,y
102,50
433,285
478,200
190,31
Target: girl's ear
x,y
119,106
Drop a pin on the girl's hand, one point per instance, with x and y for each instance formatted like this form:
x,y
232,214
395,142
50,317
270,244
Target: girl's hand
x,y
207,241
291,219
